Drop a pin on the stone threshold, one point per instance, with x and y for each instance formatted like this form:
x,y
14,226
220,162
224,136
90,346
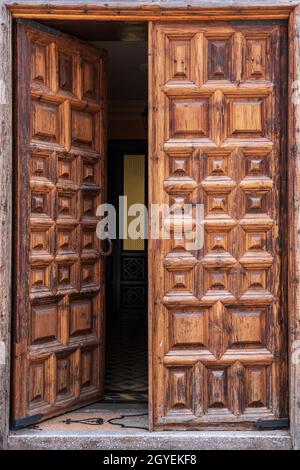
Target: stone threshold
x,y
145,440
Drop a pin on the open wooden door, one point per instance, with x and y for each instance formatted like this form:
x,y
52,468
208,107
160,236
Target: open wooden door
x,y
60,151
218,313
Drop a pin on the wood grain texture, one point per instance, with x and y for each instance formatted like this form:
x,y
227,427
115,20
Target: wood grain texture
x,y
5,219
218,319
58,355
147,11
294,208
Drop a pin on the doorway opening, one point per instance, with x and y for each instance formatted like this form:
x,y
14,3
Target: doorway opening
x,y
126,281
126,367
126,361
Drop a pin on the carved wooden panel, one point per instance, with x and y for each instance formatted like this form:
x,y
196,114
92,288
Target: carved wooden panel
x,y
59,333
218,316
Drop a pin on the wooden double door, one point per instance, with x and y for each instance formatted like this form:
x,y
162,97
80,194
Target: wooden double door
x,y
217,314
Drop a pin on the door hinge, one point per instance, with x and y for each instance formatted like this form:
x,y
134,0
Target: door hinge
x,y
280,423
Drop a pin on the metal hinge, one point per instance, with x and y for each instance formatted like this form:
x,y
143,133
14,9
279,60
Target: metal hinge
x,y
280,423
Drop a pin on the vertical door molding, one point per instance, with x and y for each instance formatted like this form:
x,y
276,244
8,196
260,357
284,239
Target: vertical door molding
x,y
5,217
294,216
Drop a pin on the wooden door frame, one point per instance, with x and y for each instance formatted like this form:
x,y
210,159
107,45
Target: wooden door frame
x,y
127,10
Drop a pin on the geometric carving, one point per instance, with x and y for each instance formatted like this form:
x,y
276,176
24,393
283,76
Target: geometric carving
x,y
66,169
216,285
89,274
217,165
256,279
90,172
60,314
179,265
217,388
179,60
45,121
64,375
256,59
44,323
83,129
218,280
39,383
248,328
188,329
90,80
39,166
255,241
89,239
81,316
40,203
65,72
66,204
66,276
189,117
88,368
217,204
256,202
180,164
219,56
179,281
39,64
256,386
40,241
179,389
88,205
216,326
246,117
256,166
256,284
217,242
179,182
40,278
66,240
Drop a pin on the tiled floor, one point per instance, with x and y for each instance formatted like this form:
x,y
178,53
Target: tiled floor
x,y
100,417
127,362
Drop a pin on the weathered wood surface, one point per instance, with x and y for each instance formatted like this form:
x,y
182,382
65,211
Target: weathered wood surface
x,y
59,334
192,10
5,217
294,240
156,3
6,172
218,318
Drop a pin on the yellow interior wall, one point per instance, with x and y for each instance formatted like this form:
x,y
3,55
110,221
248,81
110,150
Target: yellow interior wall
x,y
134,189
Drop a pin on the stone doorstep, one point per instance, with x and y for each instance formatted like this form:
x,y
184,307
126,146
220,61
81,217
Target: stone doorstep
x,y
144,440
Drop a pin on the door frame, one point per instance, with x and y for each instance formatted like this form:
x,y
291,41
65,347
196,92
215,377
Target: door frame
x,y
146,11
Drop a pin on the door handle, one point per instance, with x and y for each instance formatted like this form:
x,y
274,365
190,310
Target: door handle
x,y
109,251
